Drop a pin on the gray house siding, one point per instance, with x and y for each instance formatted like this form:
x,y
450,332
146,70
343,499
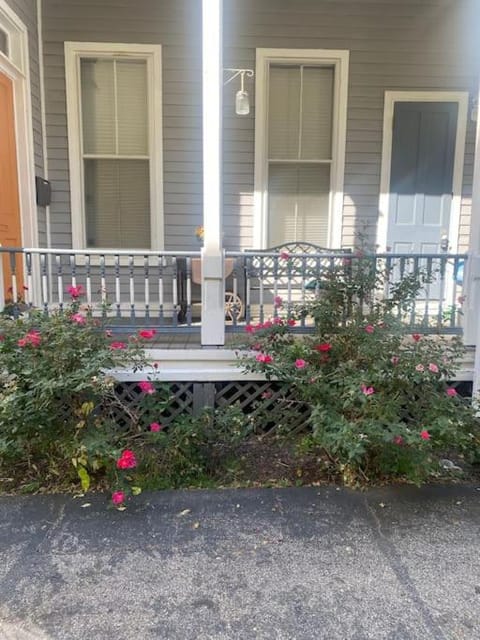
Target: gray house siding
x,y
409,45
26,10
176,26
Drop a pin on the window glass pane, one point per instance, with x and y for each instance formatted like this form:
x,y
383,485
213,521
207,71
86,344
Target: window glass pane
x,y
117,204
98,109
298,203
3,42
132,107
283,112
317,107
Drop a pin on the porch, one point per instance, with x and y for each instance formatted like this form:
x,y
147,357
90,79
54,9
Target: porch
x,y
128,291
163,290
320,153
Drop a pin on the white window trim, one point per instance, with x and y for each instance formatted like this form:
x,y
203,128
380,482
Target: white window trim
x,y
391,97
74,51
339,59
16,67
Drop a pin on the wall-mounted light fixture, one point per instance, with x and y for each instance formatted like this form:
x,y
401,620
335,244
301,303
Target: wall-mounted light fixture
x,y
242,100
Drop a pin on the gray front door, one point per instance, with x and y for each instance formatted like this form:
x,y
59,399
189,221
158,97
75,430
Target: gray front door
x,y
423,150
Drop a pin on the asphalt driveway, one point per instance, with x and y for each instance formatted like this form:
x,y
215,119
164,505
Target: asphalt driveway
x,y
285,564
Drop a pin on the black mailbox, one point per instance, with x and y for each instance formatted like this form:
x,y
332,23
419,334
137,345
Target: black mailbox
x,y
44,191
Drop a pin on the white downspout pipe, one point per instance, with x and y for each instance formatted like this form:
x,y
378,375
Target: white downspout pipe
x,y
472,316
213,286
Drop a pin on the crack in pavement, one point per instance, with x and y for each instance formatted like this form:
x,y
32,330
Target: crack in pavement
x,y
392,556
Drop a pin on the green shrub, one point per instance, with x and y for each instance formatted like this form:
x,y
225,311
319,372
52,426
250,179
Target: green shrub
x,y
55,399
380,403
59,410
194,450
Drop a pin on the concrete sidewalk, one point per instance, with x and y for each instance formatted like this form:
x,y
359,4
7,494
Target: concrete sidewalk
x,y
286,564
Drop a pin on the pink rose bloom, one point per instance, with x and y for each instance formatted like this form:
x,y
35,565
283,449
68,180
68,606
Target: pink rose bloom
x,y
264,358
127,460
34,338
300,363
398,440
266,395
368,391
155,427
451,392
433,367
395,360
420,368
416,336
146,387
291,322
147,334
249,328
369,328
268,324
78,318
284,255
278,301
75,292
118,345
118,497
277,321
424,435
324,347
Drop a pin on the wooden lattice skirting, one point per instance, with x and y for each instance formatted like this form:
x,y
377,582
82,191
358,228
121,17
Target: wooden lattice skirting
x,y
273,403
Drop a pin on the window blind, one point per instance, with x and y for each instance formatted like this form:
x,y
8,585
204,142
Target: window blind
x,y
298,203
300,121
3,42
300,109
114,101
117,203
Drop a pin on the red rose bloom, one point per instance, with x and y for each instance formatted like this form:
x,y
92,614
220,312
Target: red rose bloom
x,y
127,460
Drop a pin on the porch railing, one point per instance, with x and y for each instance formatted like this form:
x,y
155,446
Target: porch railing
x,y
126,288
266,285
163,289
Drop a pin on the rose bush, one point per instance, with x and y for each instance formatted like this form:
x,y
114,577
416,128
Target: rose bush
x,y
56,401
59,413
381,406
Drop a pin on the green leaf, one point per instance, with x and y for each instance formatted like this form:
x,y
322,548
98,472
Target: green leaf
x,y
136,491
84,478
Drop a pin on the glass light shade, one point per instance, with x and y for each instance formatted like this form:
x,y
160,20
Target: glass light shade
x,y
242,103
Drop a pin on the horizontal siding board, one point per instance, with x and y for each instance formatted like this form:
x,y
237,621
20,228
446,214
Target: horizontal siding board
x,y
414,44
27,12
174,25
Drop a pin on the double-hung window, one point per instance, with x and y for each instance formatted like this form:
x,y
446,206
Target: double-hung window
x,y
114,120
300,146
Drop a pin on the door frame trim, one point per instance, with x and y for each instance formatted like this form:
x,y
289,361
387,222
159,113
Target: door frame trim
x,y
391,97
17,70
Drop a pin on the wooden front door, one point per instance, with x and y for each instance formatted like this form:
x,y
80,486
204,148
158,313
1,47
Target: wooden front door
x,y
10,225
423,152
